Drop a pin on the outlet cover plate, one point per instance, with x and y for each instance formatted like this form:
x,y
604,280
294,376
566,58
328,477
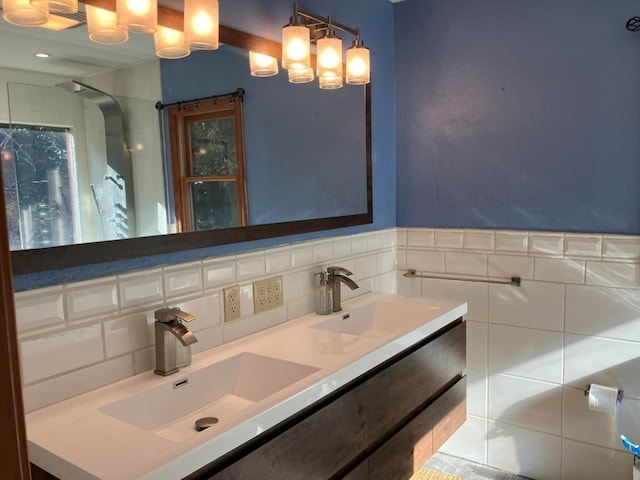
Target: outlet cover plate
x,y
232,303
267,294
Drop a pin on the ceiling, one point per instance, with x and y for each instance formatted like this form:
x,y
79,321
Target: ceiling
x,y
72,53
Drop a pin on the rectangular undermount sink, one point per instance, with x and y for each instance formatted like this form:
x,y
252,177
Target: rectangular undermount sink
x,y
376,318
221,390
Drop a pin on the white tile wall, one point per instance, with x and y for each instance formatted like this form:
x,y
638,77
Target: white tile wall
x,y
574,321
81,336
531,350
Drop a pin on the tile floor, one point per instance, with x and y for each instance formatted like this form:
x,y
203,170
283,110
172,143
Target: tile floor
x,y
467,470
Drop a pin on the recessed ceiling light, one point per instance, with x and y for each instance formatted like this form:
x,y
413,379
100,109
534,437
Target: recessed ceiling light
x,y
42,55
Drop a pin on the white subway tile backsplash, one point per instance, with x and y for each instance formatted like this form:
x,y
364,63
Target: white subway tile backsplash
x,y
386,261
250,266
365,267
374,241
209,338
420,238
323,251
425,261
532,305
62,352
559,270
141,288
526,403
246,326
389,238
359,244
511,242
401,237
301,256
218,273
524,352
44,308
546,243
479,240
582,461
342,247
603,312
92,299
603,361
613,274
465,263
449,239
621,247
278,260
207,311
510,448
127,334
507,266
582,245
182,280
385,283
246,300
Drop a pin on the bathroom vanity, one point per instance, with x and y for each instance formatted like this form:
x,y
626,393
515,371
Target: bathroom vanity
x,y
369,392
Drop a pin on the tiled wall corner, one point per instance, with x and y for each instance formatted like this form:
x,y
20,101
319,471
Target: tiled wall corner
x,y
533,350
81,336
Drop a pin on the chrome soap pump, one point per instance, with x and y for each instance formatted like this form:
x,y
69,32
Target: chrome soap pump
x,y
324,295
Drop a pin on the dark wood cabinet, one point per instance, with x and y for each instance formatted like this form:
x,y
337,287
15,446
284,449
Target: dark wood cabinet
x,y
385,424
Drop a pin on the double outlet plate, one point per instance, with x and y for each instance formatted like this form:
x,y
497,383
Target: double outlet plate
x,y
267,294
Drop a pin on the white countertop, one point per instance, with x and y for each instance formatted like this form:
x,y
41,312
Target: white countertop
x,y
73,439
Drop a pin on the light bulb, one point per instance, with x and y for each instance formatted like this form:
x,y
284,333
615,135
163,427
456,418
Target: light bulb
x,y
262,65
296,50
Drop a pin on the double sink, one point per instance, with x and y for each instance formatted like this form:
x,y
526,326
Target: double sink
x,y
221,393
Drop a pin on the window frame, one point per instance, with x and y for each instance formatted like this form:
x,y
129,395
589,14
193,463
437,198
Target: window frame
x,y
180,116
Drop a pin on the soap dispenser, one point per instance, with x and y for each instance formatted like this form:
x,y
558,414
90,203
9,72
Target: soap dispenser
x,y
324,295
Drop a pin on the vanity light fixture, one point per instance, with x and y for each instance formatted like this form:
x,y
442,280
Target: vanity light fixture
x,y
201,24
262,65
103,26
58,22
170,43
137,16
304,75
24,14
306,28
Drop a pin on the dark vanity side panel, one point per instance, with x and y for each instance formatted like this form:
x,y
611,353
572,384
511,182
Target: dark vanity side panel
x,y
406,452
311,450
397,390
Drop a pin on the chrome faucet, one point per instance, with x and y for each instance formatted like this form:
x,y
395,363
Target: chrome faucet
x,y
337,275
168,327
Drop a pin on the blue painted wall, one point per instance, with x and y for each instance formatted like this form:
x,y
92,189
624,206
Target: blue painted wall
x,y
518,114
266,18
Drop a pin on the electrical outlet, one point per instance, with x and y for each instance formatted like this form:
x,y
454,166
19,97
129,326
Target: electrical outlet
x,y
267,294
232,303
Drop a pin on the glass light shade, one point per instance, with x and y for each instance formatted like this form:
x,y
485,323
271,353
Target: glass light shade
x,y
103,26
201,24
57,23
304,75
170,43
330,82
138,16
329,57
296,47
358,65
262,65
24,14
58,6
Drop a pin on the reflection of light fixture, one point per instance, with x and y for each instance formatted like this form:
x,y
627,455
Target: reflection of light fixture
x,y
58,6
303,75
306,27
262,65
201,24
57,23
138,16
103,26
170,43
23,13
358,63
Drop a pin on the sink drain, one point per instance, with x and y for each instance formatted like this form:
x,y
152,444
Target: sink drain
x,y
205,422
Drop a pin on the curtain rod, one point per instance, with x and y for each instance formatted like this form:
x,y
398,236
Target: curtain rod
x,y
238,93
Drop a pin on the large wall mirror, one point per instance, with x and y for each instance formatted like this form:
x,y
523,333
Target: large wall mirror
x,y
75,196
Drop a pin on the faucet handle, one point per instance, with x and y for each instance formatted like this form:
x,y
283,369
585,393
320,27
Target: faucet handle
x,y
338,271
166,315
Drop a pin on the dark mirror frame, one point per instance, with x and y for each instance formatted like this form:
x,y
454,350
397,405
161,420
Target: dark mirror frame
x,y
52,258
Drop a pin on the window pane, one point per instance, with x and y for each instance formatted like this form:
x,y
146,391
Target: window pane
x,y
214,205
213,147
36,185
